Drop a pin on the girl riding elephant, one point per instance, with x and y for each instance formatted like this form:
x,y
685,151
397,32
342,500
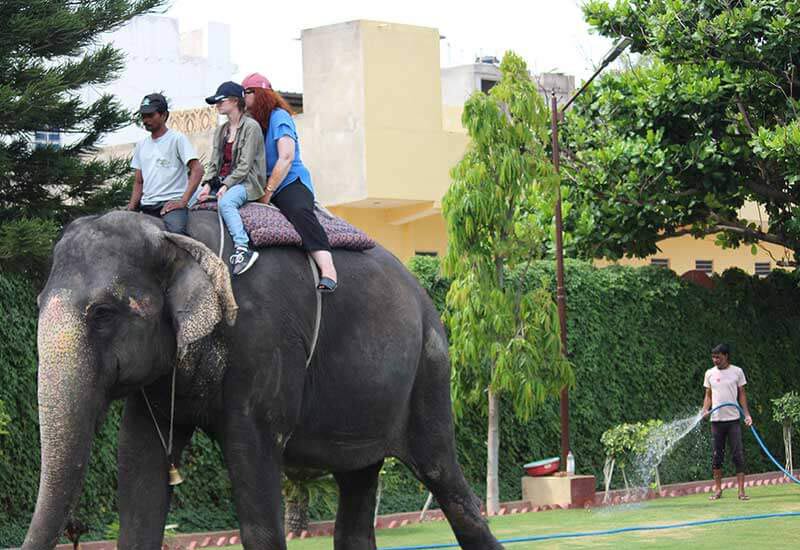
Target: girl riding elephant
x,y
237,169
289,184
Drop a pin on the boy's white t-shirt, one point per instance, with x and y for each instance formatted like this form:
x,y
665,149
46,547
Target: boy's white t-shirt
x,y
163,163
724,384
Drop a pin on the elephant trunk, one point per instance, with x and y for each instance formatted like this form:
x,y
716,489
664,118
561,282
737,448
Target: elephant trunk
x,y
70,405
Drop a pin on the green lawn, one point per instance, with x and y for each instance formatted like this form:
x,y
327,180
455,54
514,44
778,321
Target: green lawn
x,y
764,533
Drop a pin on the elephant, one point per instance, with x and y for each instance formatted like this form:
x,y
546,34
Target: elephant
x,y
129,309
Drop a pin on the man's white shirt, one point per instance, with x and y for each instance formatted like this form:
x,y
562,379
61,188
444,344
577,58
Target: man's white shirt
x,y
163,163
724,385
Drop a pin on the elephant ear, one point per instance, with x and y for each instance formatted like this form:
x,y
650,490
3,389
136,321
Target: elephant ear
x,y
200,293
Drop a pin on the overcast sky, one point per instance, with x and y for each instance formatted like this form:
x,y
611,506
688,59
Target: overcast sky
x,y
550,34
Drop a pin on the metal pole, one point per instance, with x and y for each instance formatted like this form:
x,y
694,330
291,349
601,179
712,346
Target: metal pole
x,y
561,293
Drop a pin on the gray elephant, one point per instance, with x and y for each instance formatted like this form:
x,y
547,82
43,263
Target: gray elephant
x,y
126,302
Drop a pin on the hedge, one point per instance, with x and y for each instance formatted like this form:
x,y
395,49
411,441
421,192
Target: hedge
x,y
639,340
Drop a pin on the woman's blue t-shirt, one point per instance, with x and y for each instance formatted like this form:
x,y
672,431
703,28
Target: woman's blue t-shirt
x,y
281,124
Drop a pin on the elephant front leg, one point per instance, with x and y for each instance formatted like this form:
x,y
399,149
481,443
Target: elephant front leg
x,y
254,465
143,489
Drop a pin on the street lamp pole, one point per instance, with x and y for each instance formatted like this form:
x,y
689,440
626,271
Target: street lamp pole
x,y
561,293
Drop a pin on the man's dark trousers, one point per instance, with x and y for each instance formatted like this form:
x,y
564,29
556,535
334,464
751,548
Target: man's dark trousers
x,y
174,221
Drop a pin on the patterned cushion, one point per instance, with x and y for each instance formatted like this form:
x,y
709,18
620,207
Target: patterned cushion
x,y
267,226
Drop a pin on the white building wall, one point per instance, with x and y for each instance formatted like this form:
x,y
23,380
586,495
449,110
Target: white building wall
x,y
459,83
185,67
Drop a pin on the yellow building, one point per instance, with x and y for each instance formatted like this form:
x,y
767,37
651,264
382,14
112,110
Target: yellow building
x,y
381,127
372,130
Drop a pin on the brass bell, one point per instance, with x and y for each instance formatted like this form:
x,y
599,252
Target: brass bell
x,y
174,476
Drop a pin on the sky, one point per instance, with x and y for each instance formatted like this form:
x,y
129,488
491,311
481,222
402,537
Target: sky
x,y
550,34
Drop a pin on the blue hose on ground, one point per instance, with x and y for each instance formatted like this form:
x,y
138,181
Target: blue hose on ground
x,y
617,531
579,534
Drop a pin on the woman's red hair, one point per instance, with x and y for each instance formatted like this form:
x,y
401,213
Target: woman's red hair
x,y
264,102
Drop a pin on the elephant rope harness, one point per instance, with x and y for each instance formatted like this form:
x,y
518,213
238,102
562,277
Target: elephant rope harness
x,y
314,272
174,475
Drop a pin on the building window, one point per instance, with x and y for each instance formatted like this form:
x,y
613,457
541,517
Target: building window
x,y
423,253
487,85
706,266
47,137
763,268
660,262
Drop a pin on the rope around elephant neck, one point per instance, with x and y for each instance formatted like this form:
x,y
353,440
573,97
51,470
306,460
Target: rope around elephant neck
x,y
167,445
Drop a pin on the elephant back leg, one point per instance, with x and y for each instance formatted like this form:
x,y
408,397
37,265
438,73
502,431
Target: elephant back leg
x,y
356,512
430,449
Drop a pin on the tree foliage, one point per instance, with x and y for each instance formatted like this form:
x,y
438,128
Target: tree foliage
x,y
504,335
786,409
625,440
302,490
49,55
706,122
5,419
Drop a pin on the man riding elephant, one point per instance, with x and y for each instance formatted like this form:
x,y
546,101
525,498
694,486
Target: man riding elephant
x,y
130,309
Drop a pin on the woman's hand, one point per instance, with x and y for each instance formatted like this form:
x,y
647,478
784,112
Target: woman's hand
x,y
205,190
221,191
266,197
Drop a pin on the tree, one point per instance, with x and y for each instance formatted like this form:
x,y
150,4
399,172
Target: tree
x,y
301,489
49,53
706,122
622,443
786,410
504,336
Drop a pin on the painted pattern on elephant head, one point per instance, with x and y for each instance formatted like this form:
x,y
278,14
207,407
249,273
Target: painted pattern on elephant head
x,y
62,341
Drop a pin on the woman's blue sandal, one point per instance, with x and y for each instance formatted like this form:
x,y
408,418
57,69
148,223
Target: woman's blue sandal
x,y
326,285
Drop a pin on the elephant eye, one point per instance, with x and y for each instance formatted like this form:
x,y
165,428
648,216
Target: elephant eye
x,y
102,315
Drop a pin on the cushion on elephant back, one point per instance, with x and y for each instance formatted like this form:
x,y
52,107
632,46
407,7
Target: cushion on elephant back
x,y
267,226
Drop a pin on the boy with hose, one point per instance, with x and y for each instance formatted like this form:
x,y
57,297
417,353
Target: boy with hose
x,y
725,383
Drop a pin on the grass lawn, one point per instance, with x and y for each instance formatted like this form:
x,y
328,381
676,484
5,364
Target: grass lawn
x,y
763,533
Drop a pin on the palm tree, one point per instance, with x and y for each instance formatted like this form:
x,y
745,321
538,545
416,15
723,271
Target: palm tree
x,y
74,530
302,488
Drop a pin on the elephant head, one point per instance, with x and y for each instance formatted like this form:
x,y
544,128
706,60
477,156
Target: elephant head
x,y
124,301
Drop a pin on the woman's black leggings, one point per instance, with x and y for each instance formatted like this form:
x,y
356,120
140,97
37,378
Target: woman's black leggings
x,y
297,204
730,430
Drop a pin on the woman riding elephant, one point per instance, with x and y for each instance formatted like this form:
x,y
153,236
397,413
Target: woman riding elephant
x,y
237,169
289,184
